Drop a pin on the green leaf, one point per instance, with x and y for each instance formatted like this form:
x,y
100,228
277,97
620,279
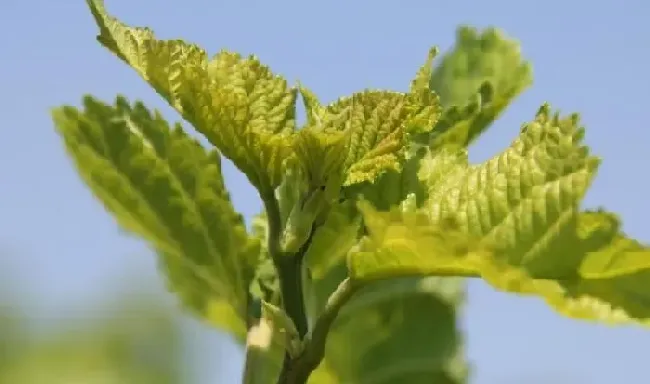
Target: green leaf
x,y
394,185
476,81
301,220
399,330
164,186
332,240
523,202
378,125
515,222
420,85
401,244
402,330
378,122
320,156
313,107
242,108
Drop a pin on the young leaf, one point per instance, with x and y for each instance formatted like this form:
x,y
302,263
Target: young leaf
x,y
394,185
165,187
476,81
420,85
515,222
243,109
320,157
377,125
285,333
263,357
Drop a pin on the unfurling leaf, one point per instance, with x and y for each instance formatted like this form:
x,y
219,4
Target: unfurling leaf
x,y
285,332
301,220
242,108
377,126
476,81
165,187
263,357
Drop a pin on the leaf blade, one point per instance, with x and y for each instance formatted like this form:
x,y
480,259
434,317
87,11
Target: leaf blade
x,y
519,235
476,81
242,108
161,185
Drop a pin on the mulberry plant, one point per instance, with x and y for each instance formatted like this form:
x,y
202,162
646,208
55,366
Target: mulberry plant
x,y
373,215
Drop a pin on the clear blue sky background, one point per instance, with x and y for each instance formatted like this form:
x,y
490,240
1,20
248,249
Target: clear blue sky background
x,y
590,57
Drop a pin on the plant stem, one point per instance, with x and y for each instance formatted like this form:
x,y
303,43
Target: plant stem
x,y
288,266
298,370
289,269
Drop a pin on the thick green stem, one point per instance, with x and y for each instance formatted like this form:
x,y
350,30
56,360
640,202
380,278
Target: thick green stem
x,y
290,275
289,269
288,266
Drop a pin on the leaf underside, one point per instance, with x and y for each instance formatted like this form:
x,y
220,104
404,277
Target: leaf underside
x,y
409,322
162,185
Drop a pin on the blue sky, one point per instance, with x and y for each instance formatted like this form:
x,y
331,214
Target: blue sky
x,y
589,57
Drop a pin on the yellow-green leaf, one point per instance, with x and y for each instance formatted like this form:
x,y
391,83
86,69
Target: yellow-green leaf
x,y
372,339
285,332
522,202
402,243
378,125
320,156
476,81
242,108
515,222
164,186
404,247
399,330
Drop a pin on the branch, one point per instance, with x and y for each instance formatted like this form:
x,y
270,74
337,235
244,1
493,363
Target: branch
x,y
314,349
289,267
274,223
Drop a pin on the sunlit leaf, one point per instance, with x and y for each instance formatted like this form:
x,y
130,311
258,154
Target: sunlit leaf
x,y
515,222
242,108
